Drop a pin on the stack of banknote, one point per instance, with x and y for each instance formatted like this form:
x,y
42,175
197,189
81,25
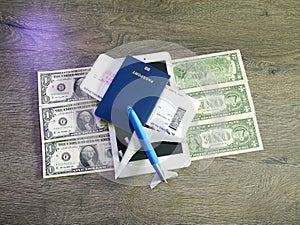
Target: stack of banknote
x,y
226,122
75,141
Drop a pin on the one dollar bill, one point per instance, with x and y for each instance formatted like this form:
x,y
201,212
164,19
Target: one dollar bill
x,y
212,69
77,156
225,122
62,86
71,120
224,138
221,102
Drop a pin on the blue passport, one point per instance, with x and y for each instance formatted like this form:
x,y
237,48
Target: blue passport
x,y
136,84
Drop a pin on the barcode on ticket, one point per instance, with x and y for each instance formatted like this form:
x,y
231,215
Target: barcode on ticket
x,y
177,118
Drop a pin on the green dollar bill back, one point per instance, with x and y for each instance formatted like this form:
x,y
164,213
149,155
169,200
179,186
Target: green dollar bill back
x,y
220,102
223,137
195,72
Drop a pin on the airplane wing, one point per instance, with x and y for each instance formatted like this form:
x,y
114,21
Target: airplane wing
x,y
134,145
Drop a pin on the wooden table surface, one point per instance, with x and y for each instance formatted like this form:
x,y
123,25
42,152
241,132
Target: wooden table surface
x,y
252,188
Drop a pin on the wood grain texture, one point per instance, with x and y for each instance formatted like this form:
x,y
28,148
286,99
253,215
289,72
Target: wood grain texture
x,y
252,188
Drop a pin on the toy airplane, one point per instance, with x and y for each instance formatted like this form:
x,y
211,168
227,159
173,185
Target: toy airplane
x,y
135,144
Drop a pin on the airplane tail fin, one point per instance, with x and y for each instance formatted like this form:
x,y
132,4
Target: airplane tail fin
x,y
156,180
